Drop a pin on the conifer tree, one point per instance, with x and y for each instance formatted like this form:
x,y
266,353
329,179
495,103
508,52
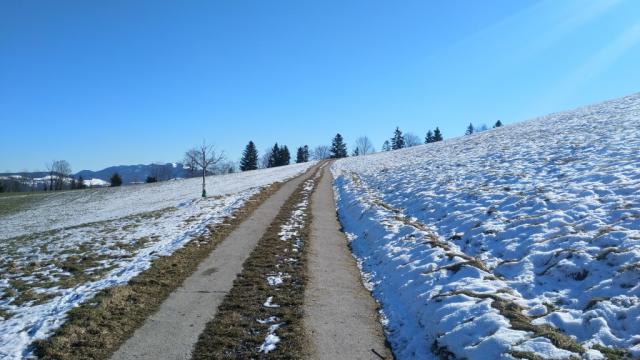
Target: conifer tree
x,y
285,156
397,141
249,159
116,180
338,147
355,152
429,138
437,135
274,156
386,146
300,155
470,129
498,124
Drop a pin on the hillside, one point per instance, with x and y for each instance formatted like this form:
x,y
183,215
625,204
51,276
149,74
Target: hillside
x,y
59,251
520,241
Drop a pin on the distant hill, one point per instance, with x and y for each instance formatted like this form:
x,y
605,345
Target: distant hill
x,y
130,174
136,173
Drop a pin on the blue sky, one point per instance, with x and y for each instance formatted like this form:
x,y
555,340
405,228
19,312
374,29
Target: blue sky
x,y
126,82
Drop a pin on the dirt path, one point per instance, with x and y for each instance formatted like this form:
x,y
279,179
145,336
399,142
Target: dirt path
x,y
172,332
340,314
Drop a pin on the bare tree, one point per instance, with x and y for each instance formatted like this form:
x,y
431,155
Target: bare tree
x,y
189,165
58,170
206,158
160,172
364,146
50,170
321,152
411,139
264,159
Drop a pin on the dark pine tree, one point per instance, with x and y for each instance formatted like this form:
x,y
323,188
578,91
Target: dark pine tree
x,y
150,179
338,147
249,159
429,138
274,156
300,155
116,180
437,135
355,152
386,146
397,141
285,156
470,129
498,124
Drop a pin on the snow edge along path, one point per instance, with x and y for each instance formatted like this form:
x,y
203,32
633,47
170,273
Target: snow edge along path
x,y
174,329
340,315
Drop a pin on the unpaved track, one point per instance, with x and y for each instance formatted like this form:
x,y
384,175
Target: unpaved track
x,y
172,332
340,315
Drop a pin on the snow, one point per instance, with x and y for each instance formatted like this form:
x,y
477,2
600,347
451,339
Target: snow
x,y
277,279
269,303
544,215
95,182
122,229
72,208
271,340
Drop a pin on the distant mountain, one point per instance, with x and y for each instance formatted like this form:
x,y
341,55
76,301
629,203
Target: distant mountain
x,y
132,174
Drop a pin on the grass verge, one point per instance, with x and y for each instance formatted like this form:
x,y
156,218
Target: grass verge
x,y
97,328
235,332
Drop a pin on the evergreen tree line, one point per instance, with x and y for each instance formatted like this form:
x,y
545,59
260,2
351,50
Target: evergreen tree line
x,y
401,141
276,156
471,129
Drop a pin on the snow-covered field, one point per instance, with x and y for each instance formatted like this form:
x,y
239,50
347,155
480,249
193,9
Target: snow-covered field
x,y
64,249
484,246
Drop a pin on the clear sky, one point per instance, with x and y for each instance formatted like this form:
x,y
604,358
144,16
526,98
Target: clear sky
x,y
102,83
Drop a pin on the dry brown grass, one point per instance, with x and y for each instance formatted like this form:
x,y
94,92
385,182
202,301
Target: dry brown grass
x,y
97,328
519,321
234,333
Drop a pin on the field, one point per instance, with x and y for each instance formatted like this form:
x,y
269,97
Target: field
x,y
60,249
521,241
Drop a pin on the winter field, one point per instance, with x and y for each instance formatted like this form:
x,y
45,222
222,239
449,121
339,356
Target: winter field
x,y
61,249
502,243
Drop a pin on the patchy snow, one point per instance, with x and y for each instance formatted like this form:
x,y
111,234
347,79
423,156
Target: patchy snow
x,y
290,232
95,182
268,320
71,208
276,279
269,303
543,216
48,273
271,340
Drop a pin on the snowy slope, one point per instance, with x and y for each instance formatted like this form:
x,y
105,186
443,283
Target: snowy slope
x,y
62,251
474,244
72,208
